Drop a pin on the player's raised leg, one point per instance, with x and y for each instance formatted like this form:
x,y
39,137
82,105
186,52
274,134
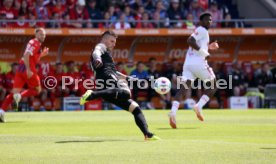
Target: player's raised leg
x,y
6,103
181,93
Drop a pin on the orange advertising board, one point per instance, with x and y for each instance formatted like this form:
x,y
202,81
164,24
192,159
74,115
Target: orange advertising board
x,y
53,43
255,49
247,44
226,51
178,49
77,48
12,47
148,47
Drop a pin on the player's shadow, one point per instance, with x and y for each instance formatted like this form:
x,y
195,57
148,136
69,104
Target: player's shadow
x,y
187,128
97,140
268,148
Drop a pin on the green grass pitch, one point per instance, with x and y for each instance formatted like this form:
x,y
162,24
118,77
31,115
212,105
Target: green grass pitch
x,y
227,136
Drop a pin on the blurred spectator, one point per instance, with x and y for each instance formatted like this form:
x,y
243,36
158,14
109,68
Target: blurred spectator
x,y
165,3
42,13
158,22
73,73
219,75
195,10
216,14
94,13
113,14
228,23
121,68
139,92
10,76
273,71
122,23
139,13
24,8
55,23
135,5
189,24
238,79
67,23
58,91
149,6
173,70
129,15
20,22
32,18
145,22
176,14
7,12
152,73
3,90
263,76
80,13
161,10
107,21
140,71
58,9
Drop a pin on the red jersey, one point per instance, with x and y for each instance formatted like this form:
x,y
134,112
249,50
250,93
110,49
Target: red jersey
x,y
34,48
9,80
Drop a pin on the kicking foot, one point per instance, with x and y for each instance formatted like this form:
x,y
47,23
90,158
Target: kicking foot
x,y
2,116
152,138
172,120
17,98
85,96
198,113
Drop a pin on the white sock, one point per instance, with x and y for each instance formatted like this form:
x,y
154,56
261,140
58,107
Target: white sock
x,y
175,106
202,101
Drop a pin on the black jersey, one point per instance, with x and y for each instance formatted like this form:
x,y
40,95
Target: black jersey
x,y
107,69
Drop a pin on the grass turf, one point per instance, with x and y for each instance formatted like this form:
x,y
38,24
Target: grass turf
x,y
227,136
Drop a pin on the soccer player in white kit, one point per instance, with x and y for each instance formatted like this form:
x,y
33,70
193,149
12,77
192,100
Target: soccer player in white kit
x,y
196,66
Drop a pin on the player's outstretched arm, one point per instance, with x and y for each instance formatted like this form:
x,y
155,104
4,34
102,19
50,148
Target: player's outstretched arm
x,y
213,46
44,52
97,53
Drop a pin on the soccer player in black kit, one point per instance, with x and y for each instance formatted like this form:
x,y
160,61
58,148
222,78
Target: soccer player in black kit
x,y
120,95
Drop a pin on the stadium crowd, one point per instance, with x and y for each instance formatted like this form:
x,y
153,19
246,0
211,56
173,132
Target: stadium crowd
x,y
244,75
116,14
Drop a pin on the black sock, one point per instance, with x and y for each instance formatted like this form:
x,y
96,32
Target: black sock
x,y
110,93
141,122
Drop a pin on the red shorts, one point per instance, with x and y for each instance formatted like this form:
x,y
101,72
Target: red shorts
x,y
21,79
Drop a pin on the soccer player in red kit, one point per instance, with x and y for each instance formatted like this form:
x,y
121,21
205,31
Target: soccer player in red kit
x,y
26,72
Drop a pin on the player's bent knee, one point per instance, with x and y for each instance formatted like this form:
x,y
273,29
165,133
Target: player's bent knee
x,y
123,94
132,106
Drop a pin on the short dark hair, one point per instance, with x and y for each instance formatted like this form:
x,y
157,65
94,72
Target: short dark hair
x,y
109,32
202,15
39,29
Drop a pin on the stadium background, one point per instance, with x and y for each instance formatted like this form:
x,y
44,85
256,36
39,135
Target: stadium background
x,y
247,45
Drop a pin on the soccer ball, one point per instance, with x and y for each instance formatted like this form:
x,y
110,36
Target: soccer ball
x,y
162,85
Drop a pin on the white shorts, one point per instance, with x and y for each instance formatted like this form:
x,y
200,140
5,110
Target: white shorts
x,y
201,71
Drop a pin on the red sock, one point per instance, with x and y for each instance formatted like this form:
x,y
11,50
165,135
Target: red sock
x,y
29,93
7,101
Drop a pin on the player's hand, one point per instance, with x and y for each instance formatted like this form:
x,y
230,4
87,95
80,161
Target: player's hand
x,y
29,74
214,45
45,51
203,53
98,63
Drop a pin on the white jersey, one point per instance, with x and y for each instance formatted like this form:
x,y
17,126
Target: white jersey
x,y
196,66
201,36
